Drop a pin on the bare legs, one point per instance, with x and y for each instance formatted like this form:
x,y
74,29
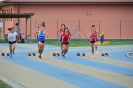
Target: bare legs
x,y
40,48
12,48
92,48
64,49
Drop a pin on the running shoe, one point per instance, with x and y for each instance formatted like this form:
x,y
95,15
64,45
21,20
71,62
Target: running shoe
x,y
92,56
13,52
63,55
40,57
97,51
11,56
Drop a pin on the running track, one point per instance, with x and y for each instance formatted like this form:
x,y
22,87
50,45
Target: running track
x,y
114,71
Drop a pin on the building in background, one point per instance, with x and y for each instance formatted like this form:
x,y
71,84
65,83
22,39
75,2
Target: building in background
x,y
113,17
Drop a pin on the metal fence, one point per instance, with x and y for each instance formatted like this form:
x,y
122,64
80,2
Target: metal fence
x,y
113,29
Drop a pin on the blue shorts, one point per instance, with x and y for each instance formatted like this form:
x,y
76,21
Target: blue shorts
x,y
42,41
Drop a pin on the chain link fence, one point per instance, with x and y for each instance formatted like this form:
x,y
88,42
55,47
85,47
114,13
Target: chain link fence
x,y
113,29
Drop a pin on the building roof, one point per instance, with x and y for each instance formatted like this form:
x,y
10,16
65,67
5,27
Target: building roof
x,y
68,0
16,15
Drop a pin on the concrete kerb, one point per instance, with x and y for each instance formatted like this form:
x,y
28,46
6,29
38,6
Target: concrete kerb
x,y
10,82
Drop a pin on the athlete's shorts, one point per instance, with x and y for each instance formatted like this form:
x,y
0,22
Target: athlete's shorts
x,y
60,39
11,42
65,43
42,41
92,41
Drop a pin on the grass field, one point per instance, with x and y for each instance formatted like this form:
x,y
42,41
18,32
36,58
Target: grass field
x,y
87,43
4,85
84,42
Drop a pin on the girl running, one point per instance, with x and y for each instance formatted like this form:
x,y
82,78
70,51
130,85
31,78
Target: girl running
x,y
61,30
41,41
94,39
65,41
12,36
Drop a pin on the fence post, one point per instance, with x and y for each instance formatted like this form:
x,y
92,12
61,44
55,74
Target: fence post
x,y
0,28
79,31
30,29
35,23
120,29
57,29
26,28
99,25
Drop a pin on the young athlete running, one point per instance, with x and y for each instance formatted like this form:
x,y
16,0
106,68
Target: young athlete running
x,y
65,41
12,36
94,39
61,30
41,41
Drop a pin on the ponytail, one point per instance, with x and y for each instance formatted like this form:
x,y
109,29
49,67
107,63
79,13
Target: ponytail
x,y
93,26
43,24
9,29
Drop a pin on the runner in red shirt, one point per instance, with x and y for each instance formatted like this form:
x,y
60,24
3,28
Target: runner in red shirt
x,y
94,39
65,41
61,30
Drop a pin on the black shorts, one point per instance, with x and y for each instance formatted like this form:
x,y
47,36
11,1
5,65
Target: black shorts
x,y
60,39
11,42
42,41
92,41
65,43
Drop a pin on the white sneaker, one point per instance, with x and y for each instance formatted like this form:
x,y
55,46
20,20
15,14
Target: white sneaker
x,y
92,56
97,51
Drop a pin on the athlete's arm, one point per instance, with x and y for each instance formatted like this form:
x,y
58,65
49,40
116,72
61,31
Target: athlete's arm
x,y
58,30
70,35
9,38
90,34
17,37
46,34
98,33
35,30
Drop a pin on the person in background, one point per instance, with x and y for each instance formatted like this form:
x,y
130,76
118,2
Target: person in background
x,y
18,27
18,31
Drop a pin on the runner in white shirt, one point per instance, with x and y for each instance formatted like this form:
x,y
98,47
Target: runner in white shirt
x,y
12,40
